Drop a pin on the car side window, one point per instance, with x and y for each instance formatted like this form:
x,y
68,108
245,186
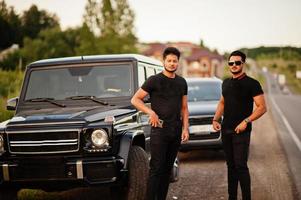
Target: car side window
x,y
150,71
158,70
141,75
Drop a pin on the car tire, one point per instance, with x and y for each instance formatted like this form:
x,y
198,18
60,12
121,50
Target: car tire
x,y
8,193
138,173
174,176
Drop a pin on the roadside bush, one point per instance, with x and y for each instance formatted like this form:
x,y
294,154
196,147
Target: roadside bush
x,y
10,85
11,61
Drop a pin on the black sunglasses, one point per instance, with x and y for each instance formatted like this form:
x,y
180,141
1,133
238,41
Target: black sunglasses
x,y
235,62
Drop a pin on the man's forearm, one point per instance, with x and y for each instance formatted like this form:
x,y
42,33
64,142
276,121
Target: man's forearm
x,y
185,113
219,112
258,112
139,104
260,108
185,116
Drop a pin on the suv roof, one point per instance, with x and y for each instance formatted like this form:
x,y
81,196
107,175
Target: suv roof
x,y
94,58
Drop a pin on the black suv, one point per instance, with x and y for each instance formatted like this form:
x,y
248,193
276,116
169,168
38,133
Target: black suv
x,y
74,126
203,97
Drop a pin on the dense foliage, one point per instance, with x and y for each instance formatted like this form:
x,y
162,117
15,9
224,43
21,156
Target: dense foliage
x,y
36,34
10,84
286,53
108,27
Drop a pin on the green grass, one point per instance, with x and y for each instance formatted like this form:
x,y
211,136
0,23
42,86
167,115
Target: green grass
x,y
293,83
28,194
261,79
288,68
86,193
10,85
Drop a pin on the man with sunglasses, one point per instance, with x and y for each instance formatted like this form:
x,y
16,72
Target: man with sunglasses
x,y
236,105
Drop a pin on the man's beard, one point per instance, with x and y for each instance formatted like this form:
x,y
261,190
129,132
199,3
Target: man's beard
x,y
170,71
236,72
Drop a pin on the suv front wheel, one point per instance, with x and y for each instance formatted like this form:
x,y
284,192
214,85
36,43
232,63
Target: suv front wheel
x,y
138,173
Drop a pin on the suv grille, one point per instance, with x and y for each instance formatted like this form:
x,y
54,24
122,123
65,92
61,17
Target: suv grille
x,y
200,120
43,141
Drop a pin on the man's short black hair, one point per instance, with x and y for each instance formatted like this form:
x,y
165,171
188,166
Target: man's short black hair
x,y
238,53
171,50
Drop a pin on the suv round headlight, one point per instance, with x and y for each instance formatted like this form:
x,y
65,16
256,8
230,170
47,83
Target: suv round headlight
x,y
99,138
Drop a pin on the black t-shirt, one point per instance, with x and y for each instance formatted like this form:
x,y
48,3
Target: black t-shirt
x,y
238,94
166,96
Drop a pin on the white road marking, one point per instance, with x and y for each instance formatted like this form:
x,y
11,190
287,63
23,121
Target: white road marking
x,y
288,126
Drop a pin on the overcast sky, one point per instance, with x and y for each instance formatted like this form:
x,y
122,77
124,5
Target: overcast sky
x,y
223,24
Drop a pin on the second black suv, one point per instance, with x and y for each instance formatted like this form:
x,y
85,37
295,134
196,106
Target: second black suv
x,y
203,97
74,126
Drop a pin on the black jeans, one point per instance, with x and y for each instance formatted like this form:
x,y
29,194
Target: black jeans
x,y
164,145
236,147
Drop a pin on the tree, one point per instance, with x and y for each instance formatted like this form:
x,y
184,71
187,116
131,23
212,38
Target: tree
x,y
203,46
14,28
285,53
35,20
10,61
125,26
10,26
50,43
91,16
4,26
113,21
88,44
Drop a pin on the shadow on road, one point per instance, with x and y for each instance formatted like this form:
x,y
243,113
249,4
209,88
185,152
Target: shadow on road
x,y
201,156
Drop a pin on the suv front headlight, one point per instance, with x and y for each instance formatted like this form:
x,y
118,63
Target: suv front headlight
x,y
99,138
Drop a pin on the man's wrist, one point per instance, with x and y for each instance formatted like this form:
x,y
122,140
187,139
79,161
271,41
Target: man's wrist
x,y
150,112
247,120
185,129
215,120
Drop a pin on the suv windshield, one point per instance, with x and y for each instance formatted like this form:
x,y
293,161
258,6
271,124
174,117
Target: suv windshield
x,y
204,91
99,81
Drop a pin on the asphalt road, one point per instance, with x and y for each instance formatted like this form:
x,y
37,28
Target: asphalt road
x,y
203,174
286,108
289,104
274,161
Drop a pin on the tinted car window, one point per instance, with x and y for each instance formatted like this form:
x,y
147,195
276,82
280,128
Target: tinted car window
x,y
204,91
100,81
141,75
149,72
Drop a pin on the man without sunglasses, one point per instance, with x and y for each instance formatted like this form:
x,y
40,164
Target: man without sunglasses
x,y
168,96
236,105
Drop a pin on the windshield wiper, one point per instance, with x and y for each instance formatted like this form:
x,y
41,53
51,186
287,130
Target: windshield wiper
x,y
50,100
92,98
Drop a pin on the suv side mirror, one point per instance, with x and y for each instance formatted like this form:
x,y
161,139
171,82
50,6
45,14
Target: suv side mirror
x,y
11,104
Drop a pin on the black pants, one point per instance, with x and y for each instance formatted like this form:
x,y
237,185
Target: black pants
x,y
236,147
164,145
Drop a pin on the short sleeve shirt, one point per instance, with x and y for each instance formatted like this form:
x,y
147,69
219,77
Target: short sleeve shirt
x,y
166,95
238,100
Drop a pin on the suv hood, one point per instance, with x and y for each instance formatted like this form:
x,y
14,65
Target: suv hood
x,y
89,114
202,108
